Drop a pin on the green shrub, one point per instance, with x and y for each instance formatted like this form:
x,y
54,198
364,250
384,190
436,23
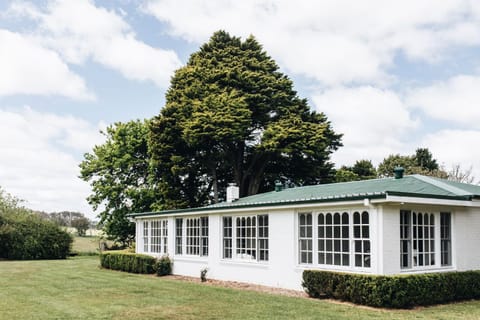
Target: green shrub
x,y
127,261
164,266
26,236
403,291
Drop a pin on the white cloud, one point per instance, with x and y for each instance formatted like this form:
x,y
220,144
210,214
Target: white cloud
x,y
455,100
79,30
332,41
28,68
38,162
453,146
375,123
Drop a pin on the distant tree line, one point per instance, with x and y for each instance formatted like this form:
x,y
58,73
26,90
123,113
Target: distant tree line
x,y
422,162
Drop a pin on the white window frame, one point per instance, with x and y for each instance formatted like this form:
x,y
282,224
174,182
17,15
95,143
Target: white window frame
x,y
437,240
194,238
155,236
351,240
255,243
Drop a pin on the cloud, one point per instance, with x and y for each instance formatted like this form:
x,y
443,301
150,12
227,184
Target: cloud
x,y
79,30
454,146
29,68
334,42
38,161
456,100
375,122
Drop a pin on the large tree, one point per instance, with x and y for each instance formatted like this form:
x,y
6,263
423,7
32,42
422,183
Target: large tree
x,y
118,172
231,115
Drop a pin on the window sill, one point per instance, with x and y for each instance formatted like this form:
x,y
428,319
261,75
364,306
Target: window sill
x,y
187,258
301,267
246,263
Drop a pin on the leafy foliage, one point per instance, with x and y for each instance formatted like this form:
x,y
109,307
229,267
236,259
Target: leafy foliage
x,y
118,172
81,224
129,262
164,266
25,235
230,115
404,291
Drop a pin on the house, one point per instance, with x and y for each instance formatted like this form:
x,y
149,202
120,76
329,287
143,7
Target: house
x,y
399,225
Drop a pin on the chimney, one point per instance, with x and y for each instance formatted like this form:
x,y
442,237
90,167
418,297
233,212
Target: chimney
x,y
398,171
233,192
278,185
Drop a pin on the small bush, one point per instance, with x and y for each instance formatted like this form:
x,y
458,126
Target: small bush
x,y
403,291
164,266
203,274
129,262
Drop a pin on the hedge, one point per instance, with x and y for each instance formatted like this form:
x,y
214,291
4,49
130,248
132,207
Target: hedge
x,y
404,291
129,262
26,236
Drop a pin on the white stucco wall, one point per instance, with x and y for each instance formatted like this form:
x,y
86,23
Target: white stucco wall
x,y
283,269
467,239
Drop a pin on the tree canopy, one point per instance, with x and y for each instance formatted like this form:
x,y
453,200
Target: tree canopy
x,y
118,172
231,115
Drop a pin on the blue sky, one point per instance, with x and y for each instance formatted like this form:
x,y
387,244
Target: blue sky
x,y
391,76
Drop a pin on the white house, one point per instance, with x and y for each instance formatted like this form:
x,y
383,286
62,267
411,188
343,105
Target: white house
x,y
406,224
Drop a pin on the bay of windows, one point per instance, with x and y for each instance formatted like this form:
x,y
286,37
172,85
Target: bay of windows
x,y
419,242
328,238
191,236
155,236
246,236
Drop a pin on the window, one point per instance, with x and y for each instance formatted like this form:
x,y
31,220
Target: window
x,y
361,235
333,239
247,236
339,238
417,239
306,237
155,236
204,236
405,240
165,235
145,236
178,235
193,232
263,238
446,238
227,237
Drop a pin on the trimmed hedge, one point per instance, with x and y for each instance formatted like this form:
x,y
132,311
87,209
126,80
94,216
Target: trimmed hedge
x,y
129,262
405,291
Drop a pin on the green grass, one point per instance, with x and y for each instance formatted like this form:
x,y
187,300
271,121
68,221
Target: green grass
x,y
78,289
85,244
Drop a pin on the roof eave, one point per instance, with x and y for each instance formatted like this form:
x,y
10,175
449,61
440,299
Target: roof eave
x,y
258,205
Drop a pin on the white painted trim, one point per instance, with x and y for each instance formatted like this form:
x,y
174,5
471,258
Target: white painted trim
x,y
430,201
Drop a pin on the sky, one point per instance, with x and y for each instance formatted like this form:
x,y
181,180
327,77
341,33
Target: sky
x,y
392,76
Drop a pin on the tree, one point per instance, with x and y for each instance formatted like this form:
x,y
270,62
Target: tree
x,y
345,174
81,224
456,173
364,169
118,172
230,115
424,159
385,168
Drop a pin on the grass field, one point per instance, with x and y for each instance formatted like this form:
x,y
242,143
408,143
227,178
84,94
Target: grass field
x,y
78,289
85,244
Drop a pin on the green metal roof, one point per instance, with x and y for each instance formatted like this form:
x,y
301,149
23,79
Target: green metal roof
x,y
411,186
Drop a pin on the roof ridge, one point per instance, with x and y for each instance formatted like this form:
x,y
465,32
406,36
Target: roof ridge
x,y
440,184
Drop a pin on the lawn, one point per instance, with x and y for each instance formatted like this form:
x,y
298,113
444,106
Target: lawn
x,y
78,289
85,244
